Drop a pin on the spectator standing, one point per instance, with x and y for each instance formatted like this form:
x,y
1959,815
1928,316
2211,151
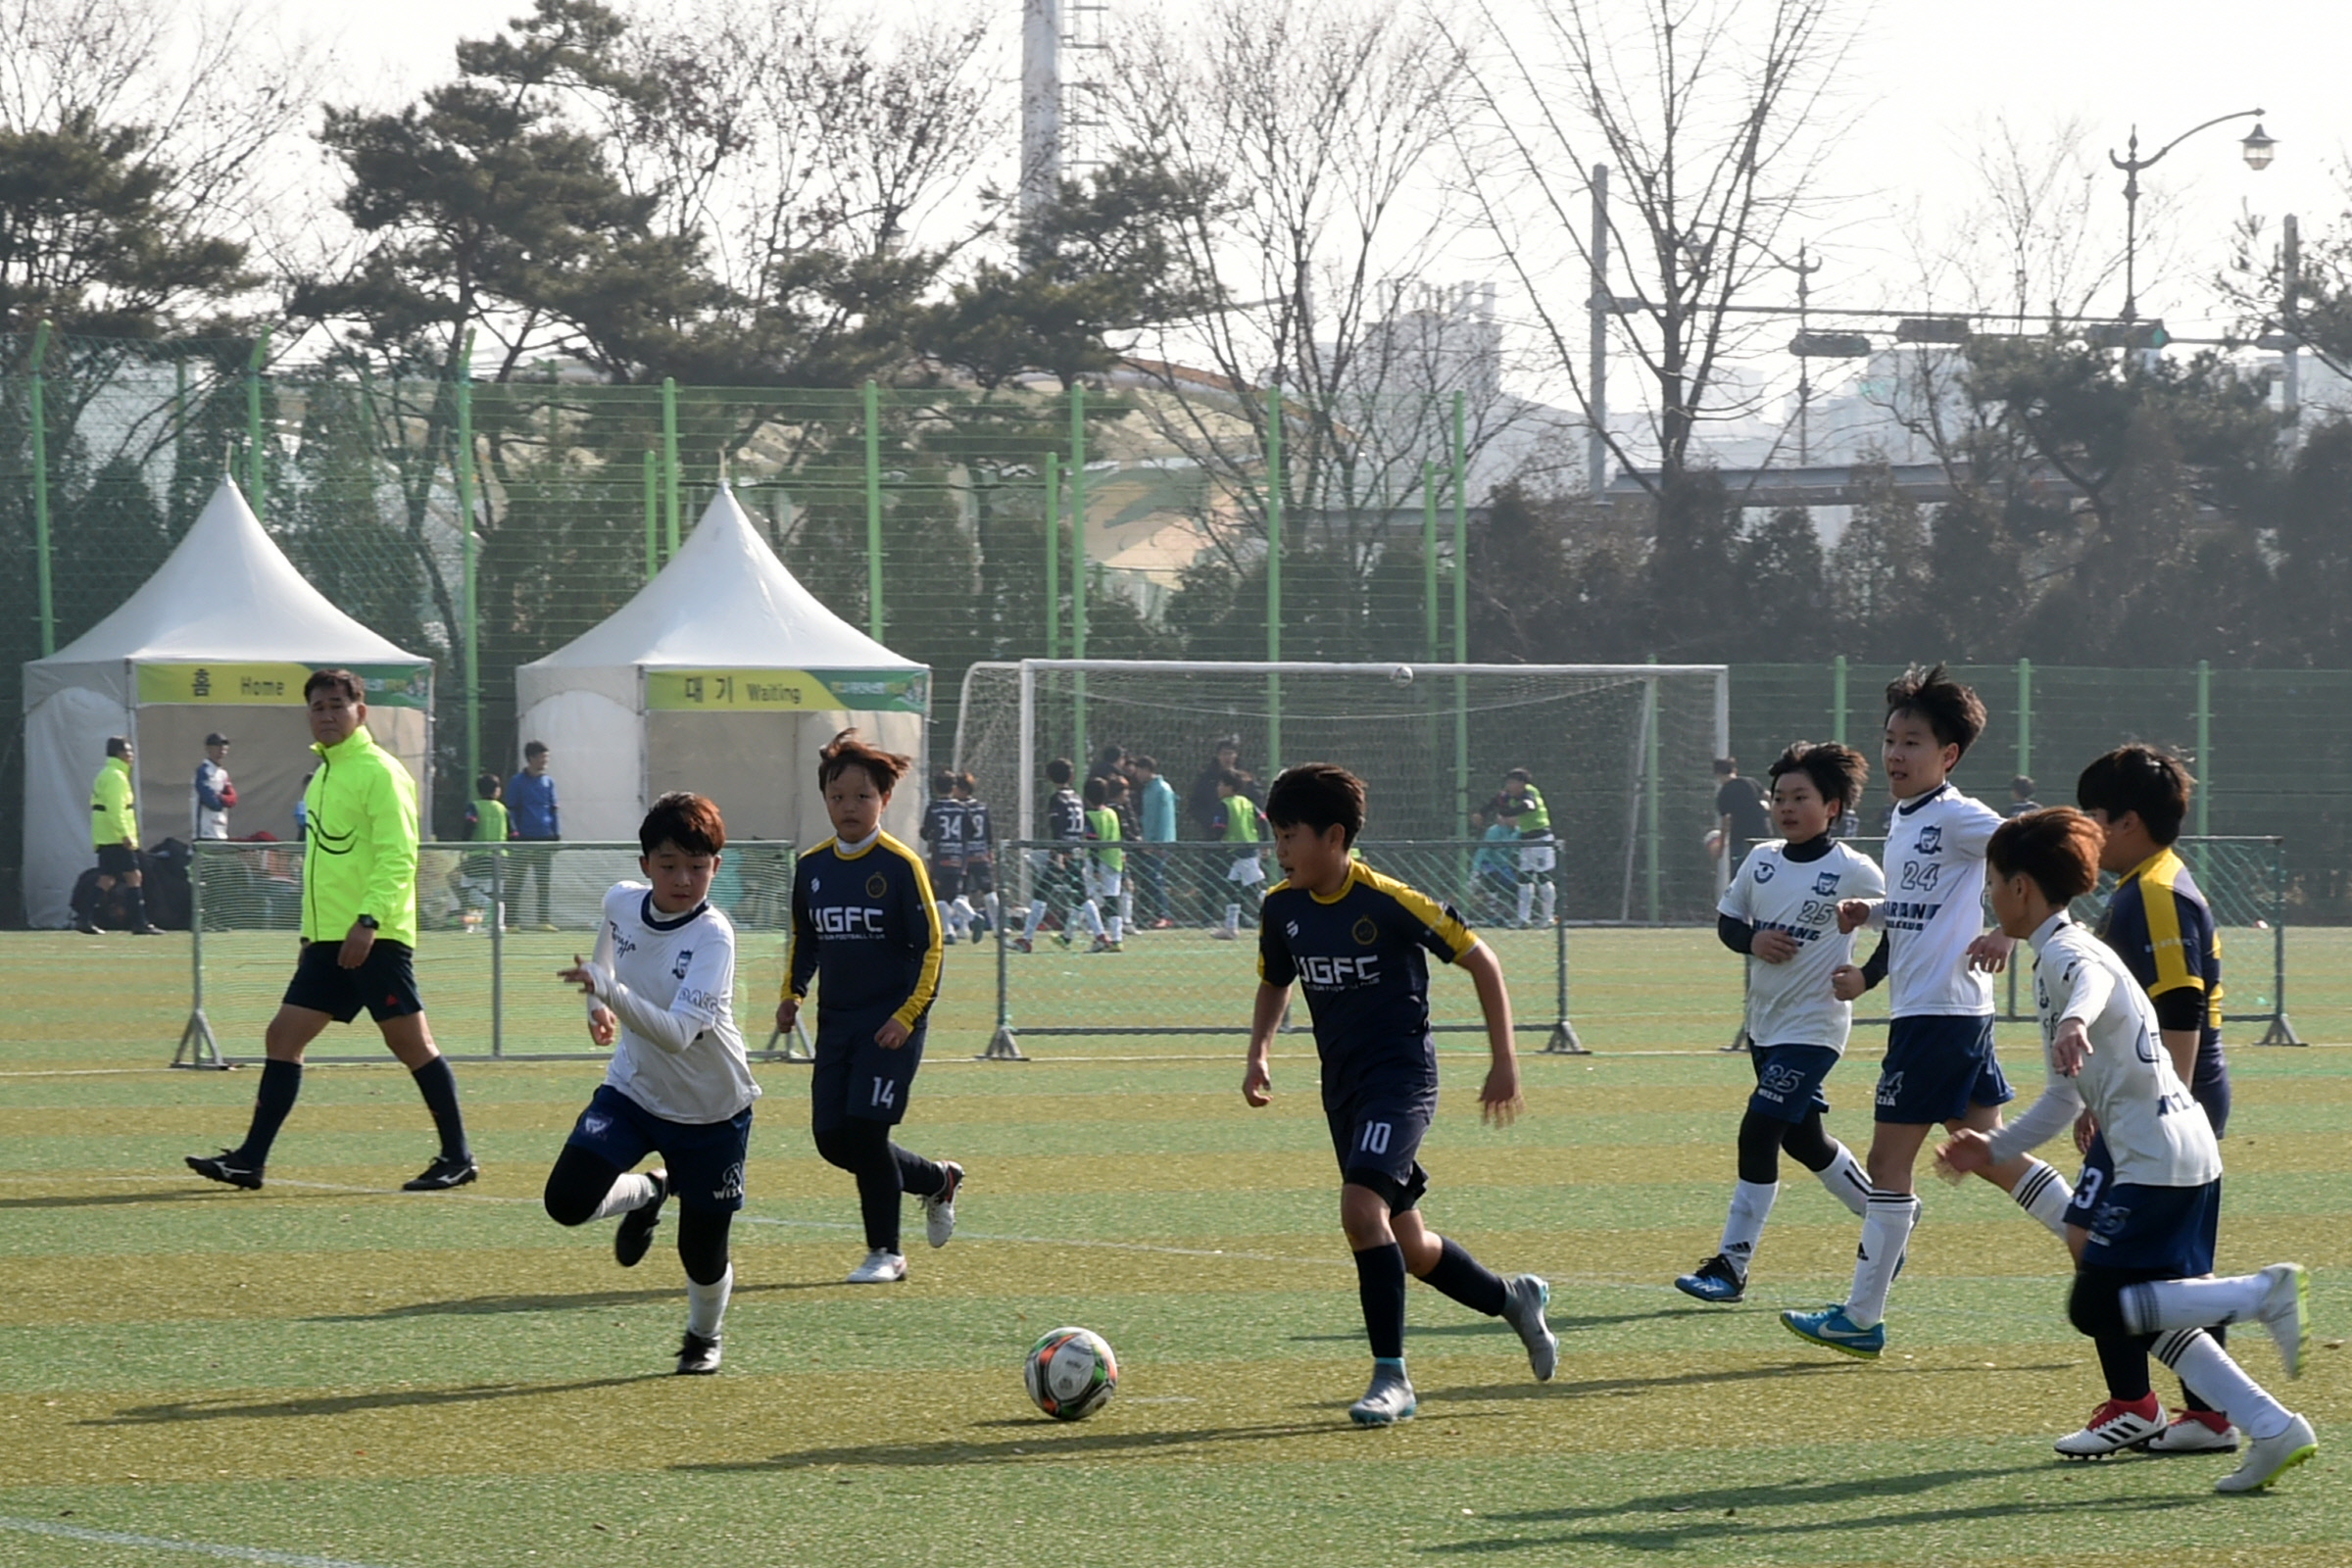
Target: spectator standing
x,y
214,793
1741,818
531,809
475,881
115,835
2021,797
1156,811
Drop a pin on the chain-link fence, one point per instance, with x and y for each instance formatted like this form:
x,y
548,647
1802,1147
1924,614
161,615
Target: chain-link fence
x,y
1187,911
495,923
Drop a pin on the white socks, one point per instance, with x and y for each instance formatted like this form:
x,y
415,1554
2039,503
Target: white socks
x,y
1847,1180
1232,917
707,1304
2043,1193
1751,1206
1526,899
1089,917
1037,918
1886,1226
2165,1304
2207,1368
1118,925
627,1194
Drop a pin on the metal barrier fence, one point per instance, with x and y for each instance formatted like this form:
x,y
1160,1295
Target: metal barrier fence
x,y
2244,881
488,982
1178,901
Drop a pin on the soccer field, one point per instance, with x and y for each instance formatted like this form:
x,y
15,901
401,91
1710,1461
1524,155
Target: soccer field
x,y
330,1372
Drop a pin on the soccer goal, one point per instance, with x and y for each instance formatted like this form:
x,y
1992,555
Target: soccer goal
x,y
1623,754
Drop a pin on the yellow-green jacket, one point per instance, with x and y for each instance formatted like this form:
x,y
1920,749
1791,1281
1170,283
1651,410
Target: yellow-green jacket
x,y
359,852
113,818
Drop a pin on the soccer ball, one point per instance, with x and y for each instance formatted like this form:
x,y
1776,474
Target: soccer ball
x,y
1071,1373
1402,675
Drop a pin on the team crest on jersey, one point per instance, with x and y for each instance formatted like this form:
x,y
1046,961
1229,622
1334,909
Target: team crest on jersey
x,y
1366,932
677,970
876,885
1290,927
1765,871
1931,840
1826,883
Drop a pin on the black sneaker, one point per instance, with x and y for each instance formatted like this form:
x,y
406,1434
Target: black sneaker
x,y
146,930
1715,1280
636,1234
88,928
698,1358
445,1172
229,1167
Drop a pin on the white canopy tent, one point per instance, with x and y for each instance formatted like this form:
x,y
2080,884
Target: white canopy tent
x,y
723,676
221,638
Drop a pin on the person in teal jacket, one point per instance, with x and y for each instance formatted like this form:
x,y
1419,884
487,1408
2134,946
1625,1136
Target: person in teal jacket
x,y
359,937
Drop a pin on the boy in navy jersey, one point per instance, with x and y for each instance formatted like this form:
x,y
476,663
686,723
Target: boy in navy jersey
x,y
661,997
1359,943
866,929
1059,872
1781,910
1940,1065
979,857
2160,926
2143,1280
942,834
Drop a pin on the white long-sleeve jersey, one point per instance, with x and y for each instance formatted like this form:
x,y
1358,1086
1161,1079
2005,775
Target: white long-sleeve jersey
x,y
671,981
2157,1134
1935,905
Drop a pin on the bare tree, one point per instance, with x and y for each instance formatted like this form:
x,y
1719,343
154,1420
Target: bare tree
x,y
1710,113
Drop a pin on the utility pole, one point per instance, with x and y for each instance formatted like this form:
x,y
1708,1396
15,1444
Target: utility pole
x,y
1596,396
1804,272
2290,379
1041,109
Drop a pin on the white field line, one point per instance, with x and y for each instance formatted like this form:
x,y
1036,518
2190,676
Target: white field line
x,y
199,1548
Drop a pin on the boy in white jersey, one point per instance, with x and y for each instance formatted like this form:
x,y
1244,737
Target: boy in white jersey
x,y
1940,1065
661,993
1781,912
2153,1229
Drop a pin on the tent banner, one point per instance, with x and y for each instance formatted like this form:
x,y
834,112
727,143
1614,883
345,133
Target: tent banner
x,y
276,685
787,691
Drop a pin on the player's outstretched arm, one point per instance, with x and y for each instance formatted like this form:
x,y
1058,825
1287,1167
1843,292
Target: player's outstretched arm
x,y
1856,913
1265,1016
1499,1101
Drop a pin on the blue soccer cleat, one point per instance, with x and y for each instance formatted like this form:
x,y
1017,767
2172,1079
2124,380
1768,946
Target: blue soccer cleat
x,y
1715,1280
1831,1327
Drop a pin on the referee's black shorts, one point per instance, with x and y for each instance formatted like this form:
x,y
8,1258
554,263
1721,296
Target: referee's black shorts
x,y
385,984
116,859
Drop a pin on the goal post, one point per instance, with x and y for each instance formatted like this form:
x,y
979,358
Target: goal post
x,y
1622,752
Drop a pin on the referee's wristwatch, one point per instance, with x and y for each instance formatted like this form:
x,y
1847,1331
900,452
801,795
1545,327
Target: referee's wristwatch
x,y
370,921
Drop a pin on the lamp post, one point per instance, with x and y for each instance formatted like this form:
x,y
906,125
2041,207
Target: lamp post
x,y
2257,147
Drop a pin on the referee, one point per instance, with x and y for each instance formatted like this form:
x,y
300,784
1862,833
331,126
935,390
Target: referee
x,y
358,936
115,835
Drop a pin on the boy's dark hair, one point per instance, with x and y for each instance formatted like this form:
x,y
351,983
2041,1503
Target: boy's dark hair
x,y
1725,766
690,823
943,782
1837,771
968,784
1518,776
351,686
1059,770
1097,792
2022,787
2139,778
847,750
1953,713
1233,780
1320,796
487,786
1147,764
533,749
117,746
2058,847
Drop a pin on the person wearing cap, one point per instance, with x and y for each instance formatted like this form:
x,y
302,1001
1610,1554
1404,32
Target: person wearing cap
x,y
215,794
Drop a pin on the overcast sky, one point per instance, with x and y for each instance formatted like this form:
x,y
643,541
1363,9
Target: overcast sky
x,y
1922,80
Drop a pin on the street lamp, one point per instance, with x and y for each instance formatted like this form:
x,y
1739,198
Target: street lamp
x,y
2257,147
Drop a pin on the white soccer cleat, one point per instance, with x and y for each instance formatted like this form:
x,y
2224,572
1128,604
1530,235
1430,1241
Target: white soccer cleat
x,y
2286,1313
879,1269
1524,1298
2269,1458
2190,1434
939,1209
1388,1401
2114,1427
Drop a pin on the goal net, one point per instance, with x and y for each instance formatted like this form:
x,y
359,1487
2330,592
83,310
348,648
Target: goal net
x,y
1623,754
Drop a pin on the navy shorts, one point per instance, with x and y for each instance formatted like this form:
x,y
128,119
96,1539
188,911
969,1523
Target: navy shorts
x,y
2167,1231
856,1077
1937,1065
385,984
1789,1080
705,1159
947,883
1377,1134
118,859
980,877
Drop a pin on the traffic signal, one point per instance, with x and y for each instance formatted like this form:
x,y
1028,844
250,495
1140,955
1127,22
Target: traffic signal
x,y
1829,345
1931,329
2125,335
